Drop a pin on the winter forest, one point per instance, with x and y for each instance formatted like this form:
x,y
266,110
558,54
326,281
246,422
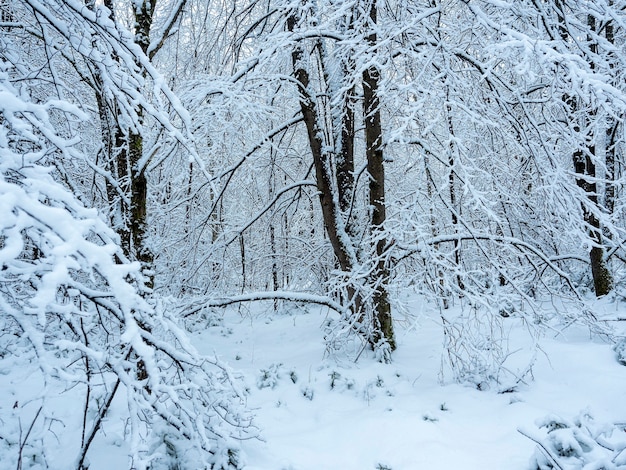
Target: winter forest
x,y
232,228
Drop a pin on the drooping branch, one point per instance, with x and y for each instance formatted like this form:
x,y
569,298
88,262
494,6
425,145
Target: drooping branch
x,y
264,296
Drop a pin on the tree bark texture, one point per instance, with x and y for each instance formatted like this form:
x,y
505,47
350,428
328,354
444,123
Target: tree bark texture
x,y
383,330
322,162
138,179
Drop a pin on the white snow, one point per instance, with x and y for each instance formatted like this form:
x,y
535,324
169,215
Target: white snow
x,y
320,411
400,415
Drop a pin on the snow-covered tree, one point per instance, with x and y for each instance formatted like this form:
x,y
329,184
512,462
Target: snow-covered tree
x,y
74,319
332,152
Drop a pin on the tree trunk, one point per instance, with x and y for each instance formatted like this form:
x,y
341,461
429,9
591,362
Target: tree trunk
x,y
322,163
138,179
611,134
345,160
585,169
383,326
115,149
602,278
452,186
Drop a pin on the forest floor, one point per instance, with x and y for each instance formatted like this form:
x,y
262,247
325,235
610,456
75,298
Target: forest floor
x,y
318,411
322,411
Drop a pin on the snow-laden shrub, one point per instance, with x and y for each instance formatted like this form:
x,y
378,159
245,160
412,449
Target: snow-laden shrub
x,y
580,444
270,377
620,351
77,335
273,375
477,350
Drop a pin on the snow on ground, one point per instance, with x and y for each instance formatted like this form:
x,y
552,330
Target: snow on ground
x,y
319,412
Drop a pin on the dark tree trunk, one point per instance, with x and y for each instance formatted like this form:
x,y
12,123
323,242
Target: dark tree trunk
x,y
345,162
453,194
611,134
584,167
116,158
138,179
322,162
383,327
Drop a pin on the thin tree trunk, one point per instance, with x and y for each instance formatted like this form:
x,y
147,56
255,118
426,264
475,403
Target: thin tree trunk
x,y
611,136
138,179
584,166
242,252
585,169
115,149
345,160
452,189
322,163
273,251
